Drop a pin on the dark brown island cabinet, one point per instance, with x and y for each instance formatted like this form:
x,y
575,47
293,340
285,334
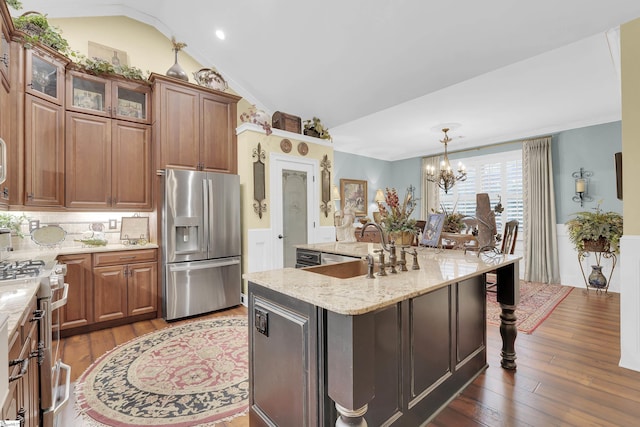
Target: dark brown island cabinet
x,y
389,350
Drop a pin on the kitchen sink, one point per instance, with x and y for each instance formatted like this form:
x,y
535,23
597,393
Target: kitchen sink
x,y
341,270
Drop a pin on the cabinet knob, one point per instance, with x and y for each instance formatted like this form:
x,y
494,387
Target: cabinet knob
x,y
29,196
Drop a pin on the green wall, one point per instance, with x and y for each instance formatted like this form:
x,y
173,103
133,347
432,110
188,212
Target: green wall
x,y
591,148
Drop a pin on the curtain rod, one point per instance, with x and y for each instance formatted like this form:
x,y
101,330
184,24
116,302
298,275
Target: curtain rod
x,y
496,144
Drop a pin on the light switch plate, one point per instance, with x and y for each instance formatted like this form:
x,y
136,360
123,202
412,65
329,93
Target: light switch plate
x,y
113,224
34,224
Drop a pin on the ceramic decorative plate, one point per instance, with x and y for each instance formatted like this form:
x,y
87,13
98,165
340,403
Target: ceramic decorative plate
x,y
303,148
285,145
48,236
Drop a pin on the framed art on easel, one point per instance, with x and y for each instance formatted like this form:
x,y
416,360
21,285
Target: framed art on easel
x,y
432,230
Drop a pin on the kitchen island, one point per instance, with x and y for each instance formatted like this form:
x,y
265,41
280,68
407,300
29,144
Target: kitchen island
x,y
391,350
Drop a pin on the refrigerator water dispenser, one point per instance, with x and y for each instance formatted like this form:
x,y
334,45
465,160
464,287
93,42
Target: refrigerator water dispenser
x,y
187,234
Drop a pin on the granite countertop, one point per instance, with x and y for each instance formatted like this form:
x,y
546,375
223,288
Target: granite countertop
x,y
14,299
16,294
359,295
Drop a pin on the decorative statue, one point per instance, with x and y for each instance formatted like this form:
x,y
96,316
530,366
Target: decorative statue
x,y
346,232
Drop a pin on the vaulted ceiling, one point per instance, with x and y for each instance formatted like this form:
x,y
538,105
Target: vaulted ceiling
x,y
386,75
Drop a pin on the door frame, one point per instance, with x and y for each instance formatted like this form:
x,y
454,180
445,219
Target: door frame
x,y
278,162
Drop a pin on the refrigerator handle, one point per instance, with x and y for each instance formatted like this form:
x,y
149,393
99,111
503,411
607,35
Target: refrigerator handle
x,y
205,214
209,217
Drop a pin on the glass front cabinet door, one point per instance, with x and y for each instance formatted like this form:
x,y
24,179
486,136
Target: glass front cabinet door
x,y
114,98
44,76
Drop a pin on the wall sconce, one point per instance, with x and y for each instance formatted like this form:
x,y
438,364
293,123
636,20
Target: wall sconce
x,y
581,186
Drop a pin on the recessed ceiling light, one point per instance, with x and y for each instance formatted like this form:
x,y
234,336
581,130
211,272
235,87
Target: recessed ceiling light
x,y
220,34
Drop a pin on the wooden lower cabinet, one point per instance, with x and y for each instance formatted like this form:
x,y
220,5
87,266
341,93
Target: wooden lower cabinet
x,y
79,308
124,290
109,287
23,400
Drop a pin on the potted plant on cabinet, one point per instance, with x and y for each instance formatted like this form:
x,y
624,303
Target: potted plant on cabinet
x,y
314,127
395,217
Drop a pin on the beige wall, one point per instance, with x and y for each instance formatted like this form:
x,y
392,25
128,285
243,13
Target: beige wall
x,y
146,47
630,53
247,142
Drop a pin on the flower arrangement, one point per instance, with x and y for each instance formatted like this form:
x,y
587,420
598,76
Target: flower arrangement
x,y
452,220
257,117
395,217
588,227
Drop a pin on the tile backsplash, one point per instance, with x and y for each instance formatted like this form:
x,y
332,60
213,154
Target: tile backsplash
x,y
75,224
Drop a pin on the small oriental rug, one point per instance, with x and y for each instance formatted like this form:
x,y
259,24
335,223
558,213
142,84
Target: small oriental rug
x,y
537,301
194,374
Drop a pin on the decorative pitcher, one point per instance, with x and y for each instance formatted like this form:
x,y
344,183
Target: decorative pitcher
x,y
596,278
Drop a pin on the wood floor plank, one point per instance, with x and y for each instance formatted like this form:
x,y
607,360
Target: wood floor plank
x,y
568,373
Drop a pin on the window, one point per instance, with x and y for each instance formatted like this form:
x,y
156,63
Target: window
x,y
498,175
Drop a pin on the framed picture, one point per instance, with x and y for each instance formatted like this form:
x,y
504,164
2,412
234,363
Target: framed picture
x,y
87,99
353,194
432,230
130,109
110,54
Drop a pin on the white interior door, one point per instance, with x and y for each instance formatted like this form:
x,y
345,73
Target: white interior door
x,y
294,205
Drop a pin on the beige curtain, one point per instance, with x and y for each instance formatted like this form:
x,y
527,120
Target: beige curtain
x,y
541,242
430,191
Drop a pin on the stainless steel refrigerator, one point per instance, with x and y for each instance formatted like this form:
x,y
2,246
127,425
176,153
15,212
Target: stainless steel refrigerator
x,y
201,242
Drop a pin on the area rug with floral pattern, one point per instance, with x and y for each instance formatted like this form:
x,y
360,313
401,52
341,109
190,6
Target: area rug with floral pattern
x,y
193,374
537,301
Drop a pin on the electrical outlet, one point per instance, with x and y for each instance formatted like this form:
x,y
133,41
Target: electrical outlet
x,y
34,224
113,224
261,321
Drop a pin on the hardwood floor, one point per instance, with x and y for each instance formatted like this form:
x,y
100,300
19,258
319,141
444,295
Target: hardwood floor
x,y
567,372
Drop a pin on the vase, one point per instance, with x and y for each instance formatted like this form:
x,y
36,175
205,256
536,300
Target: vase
x,y
596,278
176,70
401,237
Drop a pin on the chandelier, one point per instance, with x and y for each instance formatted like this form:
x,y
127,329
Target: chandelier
x,y
446,178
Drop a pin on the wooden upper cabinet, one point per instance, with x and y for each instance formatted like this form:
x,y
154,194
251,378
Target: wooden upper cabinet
x,y
108,163
178,124
88,155
44,75
130,165
108,97
194,127
44,153
218,150
5,54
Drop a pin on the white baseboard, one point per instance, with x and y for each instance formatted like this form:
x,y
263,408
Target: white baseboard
x,y
243,300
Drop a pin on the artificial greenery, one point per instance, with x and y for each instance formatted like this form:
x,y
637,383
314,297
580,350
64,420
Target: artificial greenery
x,y
36,29
13,222
594,225
314,127
16,4
99,66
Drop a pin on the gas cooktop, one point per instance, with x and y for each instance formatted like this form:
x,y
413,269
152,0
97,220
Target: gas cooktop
x,y
10,270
